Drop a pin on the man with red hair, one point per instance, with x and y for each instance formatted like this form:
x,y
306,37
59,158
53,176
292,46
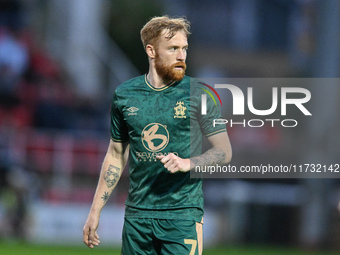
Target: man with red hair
x,y
156,121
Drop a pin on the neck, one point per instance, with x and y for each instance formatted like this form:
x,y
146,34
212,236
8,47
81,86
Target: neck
x,y
154,79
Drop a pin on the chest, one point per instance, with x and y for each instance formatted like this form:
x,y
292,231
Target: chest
x,y
170,109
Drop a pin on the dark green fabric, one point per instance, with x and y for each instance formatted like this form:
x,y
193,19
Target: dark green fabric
x,y
162,121
155,236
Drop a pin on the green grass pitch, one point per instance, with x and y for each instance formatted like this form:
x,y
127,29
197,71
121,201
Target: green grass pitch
x,y
15,248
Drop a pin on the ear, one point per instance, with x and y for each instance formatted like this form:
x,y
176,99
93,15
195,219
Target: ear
x,y
150,50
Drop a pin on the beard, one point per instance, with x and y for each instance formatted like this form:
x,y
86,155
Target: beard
x,y
170,73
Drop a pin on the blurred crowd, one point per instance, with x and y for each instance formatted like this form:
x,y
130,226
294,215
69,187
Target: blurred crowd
x,y
35,92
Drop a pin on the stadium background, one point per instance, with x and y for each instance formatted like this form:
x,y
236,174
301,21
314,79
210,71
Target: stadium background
x,y
60,61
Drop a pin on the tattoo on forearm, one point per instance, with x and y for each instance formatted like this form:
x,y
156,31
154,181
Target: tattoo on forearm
x,y
111,176
211,157
105,197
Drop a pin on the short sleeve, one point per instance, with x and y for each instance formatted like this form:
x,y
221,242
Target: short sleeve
x,y
119,131
207,121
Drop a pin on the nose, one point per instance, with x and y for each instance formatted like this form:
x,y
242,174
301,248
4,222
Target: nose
x,y
181,55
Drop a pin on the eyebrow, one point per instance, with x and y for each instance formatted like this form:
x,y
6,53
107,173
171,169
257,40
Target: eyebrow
x,y
176,46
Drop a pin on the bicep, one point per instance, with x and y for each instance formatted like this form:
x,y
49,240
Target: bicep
x,y
118,150
221,141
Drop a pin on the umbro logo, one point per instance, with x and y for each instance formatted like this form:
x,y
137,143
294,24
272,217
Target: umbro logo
x,y
132,110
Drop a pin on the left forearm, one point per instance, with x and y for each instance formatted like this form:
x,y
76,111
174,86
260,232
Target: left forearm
x,y
220,153
213,156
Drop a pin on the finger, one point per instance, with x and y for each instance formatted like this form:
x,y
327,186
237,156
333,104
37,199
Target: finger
x,y
86,236
95,243
168,157
91,238
169,163
165,159
96,235
96,240
88,243
175,164
172,162
175,170
160,157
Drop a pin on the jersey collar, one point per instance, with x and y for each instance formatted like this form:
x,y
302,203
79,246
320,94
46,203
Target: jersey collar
x,y
158,89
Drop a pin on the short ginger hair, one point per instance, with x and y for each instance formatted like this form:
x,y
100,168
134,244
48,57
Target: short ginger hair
x,y
152,30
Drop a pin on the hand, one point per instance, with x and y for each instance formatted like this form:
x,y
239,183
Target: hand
x,y
174,163
90,236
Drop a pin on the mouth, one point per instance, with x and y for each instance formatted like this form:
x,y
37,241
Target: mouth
x,y
179,66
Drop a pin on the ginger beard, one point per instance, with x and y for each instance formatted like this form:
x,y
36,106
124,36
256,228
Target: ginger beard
x,y
173,72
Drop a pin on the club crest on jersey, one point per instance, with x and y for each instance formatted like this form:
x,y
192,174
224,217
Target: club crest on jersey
x,y
180,109
132,110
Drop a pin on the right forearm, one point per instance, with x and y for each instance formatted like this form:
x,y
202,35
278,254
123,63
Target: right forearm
x,y
111,171
112,168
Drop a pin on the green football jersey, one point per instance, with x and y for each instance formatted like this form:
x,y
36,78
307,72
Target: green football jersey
x,y
161,121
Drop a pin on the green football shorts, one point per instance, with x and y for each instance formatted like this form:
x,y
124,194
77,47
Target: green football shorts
x,y
161,236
